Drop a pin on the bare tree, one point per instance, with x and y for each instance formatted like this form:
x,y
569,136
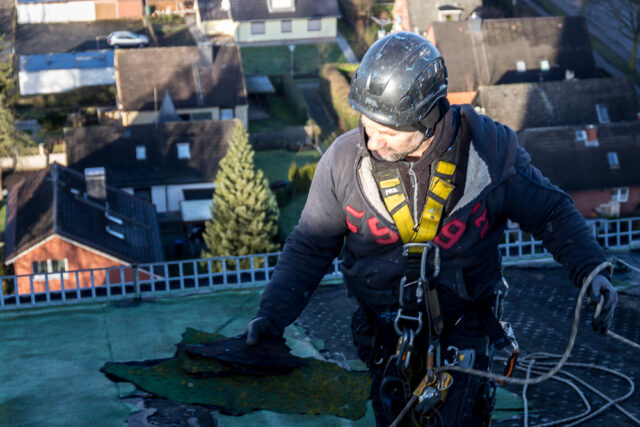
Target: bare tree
x,y
625,15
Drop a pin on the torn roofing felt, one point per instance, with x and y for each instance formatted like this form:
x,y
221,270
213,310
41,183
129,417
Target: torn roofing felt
x,y
317,387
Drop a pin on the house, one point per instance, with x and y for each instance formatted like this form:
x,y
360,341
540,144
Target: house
x,y
62,72
60,220
167,164
515,50
597,164
53,11
203,83
559,103
417,15
253,21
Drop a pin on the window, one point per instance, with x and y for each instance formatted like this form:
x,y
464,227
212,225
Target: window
x,y
50,266
183,150
257,27
285,25
544,65
282,4
620,194
520,66
226,113
603,114
314,24
142,193
141,152
614,163
194,117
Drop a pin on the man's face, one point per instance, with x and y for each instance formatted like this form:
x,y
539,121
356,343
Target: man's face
x,y
391,144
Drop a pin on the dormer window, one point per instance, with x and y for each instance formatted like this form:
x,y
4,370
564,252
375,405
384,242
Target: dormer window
x,y
544,65
183,150
614,163
141,152
603,114
281,5
520,66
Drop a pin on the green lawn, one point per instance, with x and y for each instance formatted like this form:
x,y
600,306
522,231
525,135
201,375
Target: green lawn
x,y
272,60
290,214
275,163
3,214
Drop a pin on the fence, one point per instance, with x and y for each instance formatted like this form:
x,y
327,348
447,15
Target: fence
x,y
208,274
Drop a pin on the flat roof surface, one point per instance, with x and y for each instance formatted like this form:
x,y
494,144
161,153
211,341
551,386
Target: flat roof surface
x,y
51,356
67,61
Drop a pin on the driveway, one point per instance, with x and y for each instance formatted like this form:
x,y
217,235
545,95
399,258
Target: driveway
x,y
35,39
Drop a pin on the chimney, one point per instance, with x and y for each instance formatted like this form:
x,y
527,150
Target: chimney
x,y
96,182
592,135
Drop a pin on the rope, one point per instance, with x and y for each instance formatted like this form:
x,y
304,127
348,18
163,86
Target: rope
x,y
565,355
626,264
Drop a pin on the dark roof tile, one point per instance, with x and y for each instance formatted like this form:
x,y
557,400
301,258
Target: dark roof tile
x,y
114,147
573,166
44,203
561,103
143,75
249,10
475,59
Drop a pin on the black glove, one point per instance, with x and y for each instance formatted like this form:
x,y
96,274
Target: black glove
x,y
602,287
260,328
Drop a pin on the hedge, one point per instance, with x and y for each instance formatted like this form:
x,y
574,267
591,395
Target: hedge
x,y
300,177
334,88
294,97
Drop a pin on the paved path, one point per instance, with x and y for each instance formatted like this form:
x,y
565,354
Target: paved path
x,y
317,107
346,49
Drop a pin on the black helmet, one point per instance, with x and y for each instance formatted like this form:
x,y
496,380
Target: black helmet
x,y
400,79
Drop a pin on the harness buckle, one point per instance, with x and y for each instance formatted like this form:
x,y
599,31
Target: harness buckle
x,y
400,316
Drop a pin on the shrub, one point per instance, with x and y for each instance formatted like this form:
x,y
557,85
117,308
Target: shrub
x,y
300,177
294,98
334,88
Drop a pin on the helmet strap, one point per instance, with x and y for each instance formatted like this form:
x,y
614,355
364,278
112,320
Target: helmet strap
x,y
428,123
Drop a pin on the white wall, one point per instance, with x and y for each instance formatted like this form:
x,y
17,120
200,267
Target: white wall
x,y
56,81
167,198
39,13
35,162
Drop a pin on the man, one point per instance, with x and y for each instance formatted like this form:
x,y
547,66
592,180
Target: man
x,y
444,180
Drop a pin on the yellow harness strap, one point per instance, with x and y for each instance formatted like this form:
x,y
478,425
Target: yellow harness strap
x,y
395,199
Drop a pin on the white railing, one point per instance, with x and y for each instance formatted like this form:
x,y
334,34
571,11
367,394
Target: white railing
x,y
208,274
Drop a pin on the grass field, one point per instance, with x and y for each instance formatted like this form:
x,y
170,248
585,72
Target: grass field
x,y
290,214
273,60
275,163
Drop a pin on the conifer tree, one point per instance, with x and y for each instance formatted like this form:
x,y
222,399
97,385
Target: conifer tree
x,y
244,213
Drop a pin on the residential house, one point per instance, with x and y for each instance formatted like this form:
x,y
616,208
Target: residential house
x,y
54,11
60,220
559,103
169,164
254,21
417,15
597,164
62,72
515,50
203,83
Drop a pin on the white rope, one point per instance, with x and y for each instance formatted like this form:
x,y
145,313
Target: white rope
x,y
565,355
626,264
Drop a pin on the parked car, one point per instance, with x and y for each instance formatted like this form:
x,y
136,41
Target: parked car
x,y
127,39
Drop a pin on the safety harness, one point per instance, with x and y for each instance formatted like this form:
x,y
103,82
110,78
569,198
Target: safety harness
x,y
417,381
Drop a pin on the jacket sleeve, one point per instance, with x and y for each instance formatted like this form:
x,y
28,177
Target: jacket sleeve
x,y
550,215
309,249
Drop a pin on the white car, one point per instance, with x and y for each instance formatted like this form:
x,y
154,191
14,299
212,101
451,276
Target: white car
x,y
126,39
